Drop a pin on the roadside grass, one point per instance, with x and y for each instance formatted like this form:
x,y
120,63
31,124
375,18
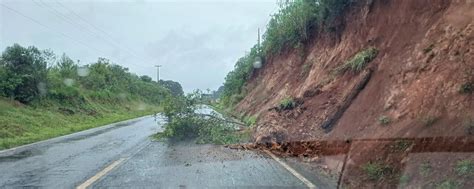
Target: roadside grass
x,y
21,124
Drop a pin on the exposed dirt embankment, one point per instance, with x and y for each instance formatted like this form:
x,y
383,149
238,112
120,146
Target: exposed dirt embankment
x,y
419,85
425,57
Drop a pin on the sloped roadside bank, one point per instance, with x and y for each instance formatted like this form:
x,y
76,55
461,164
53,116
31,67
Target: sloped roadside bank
x,y
420,88
22,124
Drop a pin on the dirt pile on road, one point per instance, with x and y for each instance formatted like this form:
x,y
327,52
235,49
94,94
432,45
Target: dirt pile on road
x,y
420,83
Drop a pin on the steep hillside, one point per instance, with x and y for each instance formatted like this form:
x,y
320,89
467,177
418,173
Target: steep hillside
x,y
424,60
420,83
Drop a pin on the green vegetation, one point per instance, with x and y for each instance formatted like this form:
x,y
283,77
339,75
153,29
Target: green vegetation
x,y
466,88
291,27
428,49
448,184
21,124
184,122
250,120
401,145
425,169
43,95
464,167
287,103
376,171
235,80
296,22
384,120
403,180
358,62
174,87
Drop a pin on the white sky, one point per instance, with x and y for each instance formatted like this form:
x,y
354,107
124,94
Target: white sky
x,y
196,41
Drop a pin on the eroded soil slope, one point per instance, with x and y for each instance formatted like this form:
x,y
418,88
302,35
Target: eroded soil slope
x,y
419,85
416,81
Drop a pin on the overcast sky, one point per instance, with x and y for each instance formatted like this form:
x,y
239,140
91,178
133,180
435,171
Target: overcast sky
x,y
196,41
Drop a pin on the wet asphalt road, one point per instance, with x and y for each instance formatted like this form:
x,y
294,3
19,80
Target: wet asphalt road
x,y
69,161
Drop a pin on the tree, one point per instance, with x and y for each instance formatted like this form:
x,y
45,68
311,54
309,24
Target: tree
x,y
67,67
173,86
146,78
24,73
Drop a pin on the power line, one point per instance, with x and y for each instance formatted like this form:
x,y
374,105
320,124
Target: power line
x,y
92,25
85,29
47,27
71,21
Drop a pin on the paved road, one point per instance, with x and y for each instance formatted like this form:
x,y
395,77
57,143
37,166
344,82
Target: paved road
x,y
67,162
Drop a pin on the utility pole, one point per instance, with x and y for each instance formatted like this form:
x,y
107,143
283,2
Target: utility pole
x,y
258,60
258,46
158,73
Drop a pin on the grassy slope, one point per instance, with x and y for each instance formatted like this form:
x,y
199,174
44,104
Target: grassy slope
x,y
20,124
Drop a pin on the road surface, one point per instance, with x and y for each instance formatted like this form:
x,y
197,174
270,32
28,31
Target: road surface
x,y
123,155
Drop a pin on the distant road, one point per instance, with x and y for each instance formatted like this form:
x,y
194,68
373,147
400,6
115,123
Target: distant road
x,y
123,155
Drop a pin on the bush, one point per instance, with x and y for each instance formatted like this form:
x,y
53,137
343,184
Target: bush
x,y
287,104
376,171
184,122
8,82
384,120
182,127
250,120
216,131
24,76
297,21
291,26
174,87
466,88
358,62
464,167
25,70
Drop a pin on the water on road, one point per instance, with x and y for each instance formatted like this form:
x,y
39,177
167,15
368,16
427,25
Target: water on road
x,y
70,161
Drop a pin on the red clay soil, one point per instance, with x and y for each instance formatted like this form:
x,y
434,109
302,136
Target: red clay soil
x,y
425,59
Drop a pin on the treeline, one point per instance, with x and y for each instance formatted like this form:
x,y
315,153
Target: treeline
x,y
33,76
291,27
